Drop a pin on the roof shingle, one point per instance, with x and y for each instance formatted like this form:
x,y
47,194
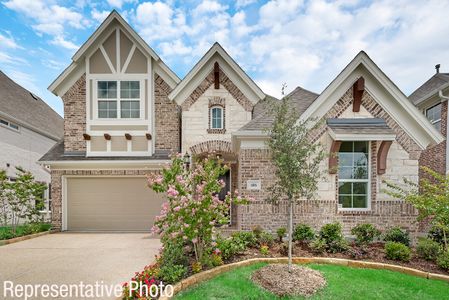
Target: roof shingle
x,y
21,104
430,87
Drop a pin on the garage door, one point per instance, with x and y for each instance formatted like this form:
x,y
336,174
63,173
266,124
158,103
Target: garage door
x,y
111,203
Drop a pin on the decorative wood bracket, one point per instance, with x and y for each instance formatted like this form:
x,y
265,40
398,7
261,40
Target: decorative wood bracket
x,y
86,137
333,158
216,76
107,137
382,157
357,90
128,136
148,136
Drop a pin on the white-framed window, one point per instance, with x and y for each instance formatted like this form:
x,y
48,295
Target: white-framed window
x,y
433,114
113,104
354,176
8,124
216,117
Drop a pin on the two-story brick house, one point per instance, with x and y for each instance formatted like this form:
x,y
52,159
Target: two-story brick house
x,y
125,110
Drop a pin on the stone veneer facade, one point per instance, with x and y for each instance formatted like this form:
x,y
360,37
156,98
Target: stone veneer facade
x,y
402,161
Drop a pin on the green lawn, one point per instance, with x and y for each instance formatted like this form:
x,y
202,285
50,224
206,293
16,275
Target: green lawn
x,y
342,283
6,232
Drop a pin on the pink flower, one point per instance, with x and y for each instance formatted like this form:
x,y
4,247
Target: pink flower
x,y
212,223
177,208
222,183
172,192
194,240
159,180
217,251
213,244
186,225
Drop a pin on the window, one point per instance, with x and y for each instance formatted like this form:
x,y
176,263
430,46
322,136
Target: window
x,y
353,175
216,117
434,115
107,99
109,103
130,108
9,124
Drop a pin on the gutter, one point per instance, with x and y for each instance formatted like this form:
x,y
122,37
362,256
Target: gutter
x,y
444,99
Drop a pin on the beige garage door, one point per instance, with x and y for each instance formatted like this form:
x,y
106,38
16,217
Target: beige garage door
x,y
111,203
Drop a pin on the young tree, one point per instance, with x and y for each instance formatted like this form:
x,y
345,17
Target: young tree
x,y
4,196
296,159
23,198
430,197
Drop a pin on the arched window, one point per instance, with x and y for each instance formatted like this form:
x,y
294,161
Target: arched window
x,y
216,117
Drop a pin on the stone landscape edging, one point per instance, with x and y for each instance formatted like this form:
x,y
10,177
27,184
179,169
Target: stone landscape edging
x,y
23,238
209,274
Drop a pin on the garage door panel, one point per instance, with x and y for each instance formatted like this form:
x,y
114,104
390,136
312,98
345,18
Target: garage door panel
x,y
111,204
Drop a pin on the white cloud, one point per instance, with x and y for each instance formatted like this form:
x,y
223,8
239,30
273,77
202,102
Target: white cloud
x,y
49,18
119,3
60,41
8,42
99,16
243,3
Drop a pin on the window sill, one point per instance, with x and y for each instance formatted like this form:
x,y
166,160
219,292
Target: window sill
x,y
367,211
216,131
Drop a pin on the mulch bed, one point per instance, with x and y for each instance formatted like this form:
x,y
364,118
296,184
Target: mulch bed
x,y
300,281
372,253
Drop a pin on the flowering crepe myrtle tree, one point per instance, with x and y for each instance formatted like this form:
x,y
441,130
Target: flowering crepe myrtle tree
x,y
430,197
296,159
193,209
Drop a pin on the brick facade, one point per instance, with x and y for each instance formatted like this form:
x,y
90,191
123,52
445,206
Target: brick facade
x,y
75,116
168,119
435,157
385,212
210,147
56,187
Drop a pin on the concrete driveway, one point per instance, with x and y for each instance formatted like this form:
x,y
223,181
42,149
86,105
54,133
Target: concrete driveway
x,y
71,258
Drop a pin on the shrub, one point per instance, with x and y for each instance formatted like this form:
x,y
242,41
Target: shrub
x,y
216,260
229,248
147,277
332,236
173,254
197,267
396,234
365,233
428,249
264,250
443,260
257,230
172,273
397,251
266,239
318,246
281,233
6,234
436,233
303,233
246,237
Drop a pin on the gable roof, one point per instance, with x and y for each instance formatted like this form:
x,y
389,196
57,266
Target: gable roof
x,y
386,94
201,70
300,99
435,83
19,105
77,57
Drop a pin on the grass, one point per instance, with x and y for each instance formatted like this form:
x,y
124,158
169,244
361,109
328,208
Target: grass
x,y
21,230
342,283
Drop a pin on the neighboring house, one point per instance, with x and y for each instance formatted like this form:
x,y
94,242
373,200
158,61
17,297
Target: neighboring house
x,y
431,98
125,111
28,129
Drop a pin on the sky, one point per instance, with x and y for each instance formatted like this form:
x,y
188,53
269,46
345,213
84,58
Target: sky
x,y
299,43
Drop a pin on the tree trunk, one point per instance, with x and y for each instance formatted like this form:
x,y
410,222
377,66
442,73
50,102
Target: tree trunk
x,y
445,238
290,233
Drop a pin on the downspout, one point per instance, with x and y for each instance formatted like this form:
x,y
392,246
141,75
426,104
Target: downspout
x,y
446,98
